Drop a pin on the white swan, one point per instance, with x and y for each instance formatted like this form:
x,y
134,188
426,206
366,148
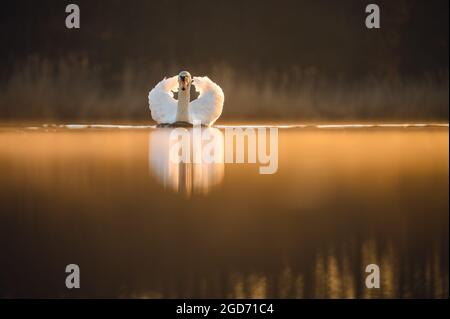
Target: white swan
x,y
204,110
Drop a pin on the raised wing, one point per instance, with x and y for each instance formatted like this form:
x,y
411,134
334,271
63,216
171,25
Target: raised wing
x,y
161,102
207,108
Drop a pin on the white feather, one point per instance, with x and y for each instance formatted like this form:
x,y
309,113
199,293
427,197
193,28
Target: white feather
x,y
207,108
161,102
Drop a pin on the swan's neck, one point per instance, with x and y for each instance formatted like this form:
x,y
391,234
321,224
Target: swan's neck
x,y
183,105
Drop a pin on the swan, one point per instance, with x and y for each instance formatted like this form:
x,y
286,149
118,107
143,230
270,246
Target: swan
x,y
204,110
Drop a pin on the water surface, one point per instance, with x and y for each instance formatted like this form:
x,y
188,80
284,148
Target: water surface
x,y
108,199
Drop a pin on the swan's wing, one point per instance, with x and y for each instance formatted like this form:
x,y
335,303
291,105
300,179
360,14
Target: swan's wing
x,y
161,102
207,108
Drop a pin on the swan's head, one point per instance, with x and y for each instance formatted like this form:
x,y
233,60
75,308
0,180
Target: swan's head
x,y
184,80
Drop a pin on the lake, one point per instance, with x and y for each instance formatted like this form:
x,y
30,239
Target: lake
x,y
108,199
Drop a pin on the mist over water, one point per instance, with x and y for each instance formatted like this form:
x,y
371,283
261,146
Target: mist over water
x,y
73,89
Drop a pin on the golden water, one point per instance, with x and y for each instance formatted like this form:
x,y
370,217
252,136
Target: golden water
x,y
108,199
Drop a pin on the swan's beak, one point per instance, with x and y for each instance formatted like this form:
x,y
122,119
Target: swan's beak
x,y
184,83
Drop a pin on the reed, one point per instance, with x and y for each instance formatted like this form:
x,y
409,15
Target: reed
x,y
75,88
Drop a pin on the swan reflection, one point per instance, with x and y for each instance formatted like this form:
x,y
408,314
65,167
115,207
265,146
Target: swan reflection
x,y
187,160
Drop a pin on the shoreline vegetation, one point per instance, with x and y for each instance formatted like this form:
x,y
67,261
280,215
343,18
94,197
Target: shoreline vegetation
x,y
74,89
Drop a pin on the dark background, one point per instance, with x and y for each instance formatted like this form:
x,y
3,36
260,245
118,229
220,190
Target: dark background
x,y
299,60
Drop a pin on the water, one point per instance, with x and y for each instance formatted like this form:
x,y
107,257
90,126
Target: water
x,y
108,199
